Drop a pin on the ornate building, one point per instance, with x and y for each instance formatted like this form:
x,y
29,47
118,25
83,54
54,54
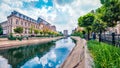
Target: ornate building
x,y
16,19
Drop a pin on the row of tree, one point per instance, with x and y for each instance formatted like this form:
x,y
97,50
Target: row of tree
x,y
44,32
102,18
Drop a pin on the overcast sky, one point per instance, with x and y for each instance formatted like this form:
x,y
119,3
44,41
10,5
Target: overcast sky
x,y
61,13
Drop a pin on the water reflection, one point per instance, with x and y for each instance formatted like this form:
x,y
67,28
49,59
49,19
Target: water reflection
x,y
18,56
49,55
4,63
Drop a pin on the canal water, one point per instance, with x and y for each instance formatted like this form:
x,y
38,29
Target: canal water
x,y
48,55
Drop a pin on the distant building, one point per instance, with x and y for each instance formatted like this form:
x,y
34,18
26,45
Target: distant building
x,y
16,19
73,31
53,28
65,32
115,29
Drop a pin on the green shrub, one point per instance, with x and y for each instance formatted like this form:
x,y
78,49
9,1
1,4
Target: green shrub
x,y
105,56
20,38
11,38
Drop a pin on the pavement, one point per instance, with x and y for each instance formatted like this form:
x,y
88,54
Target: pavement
x,y
79,57
16,43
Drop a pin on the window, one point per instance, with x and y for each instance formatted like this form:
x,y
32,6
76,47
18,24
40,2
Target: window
x,y
21,23
17,22
11,20
25,23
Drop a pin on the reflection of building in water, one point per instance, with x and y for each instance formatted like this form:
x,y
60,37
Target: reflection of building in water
x,y
65,32
18,56
65,40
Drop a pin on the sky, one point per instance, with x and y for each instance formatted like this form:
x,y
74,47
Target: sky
x,y
63,14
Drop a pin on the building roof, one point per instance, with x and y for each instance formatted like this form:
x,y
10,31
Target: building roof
x,y
18,14
3,22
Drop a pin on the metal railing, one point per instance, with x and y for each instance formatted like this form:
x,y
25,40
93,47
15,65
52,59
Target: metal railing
x,y
113,39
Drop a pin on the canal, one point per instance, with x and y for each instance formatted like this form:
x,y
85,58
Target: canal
x,y
48,55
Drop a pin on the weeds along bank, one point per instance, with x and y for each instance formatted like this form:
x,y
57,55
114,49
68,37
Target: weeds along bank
x,y
104,55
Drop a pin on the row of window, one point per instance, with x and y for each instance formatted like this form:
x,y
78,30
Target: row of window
x,y
26,24
23,16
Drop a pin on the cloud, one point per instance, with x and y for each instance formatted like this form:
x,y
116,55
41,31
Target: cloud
x,y
45,1
63,13
4,63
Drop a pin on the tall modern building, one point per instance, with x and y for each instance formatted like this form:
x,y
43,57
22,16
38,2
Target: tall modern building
x,y
65,32
17,19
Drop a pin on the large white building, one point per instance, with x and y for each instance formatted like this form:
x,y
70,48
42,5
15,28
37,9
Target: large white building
x,y
16,19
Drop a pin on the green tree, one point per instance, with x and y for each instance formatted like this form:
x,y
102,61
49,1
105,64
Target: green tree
x,y
99,25
111,14
18,30
36,31
1,30
31,29
86,21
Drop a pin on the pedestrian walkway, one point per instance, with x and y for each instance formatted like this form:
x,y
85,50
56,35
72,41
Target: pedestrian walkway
x,y
79,57
17,43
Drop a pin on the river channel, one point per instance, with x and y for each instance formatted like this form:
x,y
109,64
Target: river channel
x,y
48,55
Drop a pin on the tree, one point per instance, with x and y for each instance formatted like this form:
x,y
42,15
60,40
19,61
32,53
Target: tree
x,y
86,21
18,30
41,32
31,29
112,13
36,31
99,25
1,30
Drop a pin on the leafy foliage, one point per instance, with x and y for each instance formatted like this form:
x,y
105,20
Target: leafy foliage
x,y
104,55
18,30
1,30
36,31
86,21
111,13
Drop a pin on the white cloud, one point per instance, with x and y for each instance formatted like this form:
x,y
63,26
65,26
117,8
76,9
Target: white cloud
x,y
4,63
63,14
45,1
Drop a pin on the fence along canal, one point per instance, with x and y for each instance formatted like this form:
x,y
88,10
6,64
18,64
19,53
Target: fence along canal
x,y
113,39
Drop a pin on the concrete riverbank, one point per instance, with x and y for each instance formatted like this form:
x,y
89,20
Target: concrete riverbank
x,y
16,43
79,57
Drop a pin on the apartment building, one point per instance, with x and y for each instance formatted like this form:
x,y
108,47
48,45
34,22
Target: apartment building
x,y
17,19
115,29
65,32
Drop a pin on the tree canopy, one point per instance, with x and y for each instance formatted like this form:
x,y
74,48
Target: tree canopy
x,y
18,30
111,14
105,16
86,21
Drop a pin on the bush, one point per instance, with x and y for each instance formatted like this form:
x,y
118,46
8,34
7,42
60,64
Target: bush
x,y
11,38
105,56
20,38
78,34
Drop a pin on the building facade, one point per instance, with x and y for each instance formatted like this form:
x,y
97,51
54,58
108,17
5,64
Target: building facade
x,y
115,29
16,19
65,32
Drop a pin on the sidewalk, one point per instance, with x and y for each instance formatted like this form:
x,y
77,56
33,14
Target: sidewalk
x,y
79,57
17,43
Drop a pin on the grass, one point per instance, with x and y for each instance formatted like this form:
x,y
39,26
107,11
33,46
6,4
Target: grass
x,y
104,55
